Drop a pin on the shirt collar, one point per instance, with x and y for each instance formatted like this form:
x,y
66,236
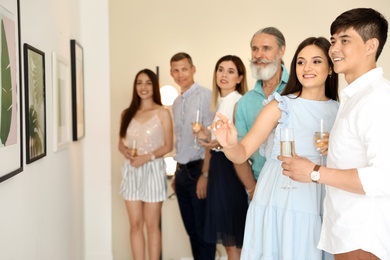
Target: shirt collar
x,y
361,83
191,90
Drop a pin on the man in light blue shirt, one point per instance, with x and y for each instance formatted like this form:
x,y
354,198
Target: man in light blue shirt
x,y
190,183
267,46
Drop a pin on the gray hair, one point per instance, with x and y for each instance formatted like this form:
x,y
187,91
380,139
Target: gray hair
x,y
275,32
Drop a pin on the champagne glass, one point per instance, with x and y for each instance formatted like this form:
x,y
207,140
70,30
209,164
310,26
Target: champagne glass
x,y
321,138
133,149
287,148
196,126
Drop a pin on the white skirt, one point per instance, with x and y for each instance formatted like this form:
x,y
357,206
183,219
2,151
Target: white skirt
x,y
147,183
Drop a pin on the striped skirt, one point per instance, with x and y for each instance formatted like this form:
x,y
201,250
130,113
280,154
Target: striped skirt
x,y
147,183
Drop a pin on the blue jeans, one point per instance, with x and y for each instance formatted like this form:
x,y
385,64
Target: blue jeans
x,y
192,209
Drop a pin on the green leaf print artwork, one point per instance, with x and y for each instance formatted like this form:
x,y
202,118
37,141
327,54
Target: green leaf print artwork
x,y
6,90
36,145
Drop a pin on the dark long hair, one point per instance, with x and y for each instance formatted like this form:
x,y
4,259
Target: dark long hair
x,y
129,112
332,82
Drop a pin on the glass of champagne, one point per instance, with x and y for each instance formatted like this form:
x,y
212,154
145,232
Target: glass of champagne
x,y
287,148
133,149
321,138
196,126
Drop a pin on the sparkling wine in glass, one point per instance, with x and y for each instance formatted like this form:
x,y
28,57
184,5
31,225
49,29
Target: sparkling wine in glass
x,y
287,148
133,149
321,138
196,126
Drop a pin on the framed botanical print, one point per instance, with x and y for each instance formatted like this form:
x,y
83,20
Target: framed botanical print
x,y
11,150
35,103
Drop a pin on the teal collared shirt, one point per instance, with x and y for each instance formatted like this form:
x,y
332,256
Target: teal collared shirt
x,y
248,107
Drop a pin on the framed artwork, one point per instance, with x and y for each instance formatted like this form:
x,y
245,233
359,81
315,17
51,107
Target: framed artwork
x,y
77,72
61,102
35,103
11,152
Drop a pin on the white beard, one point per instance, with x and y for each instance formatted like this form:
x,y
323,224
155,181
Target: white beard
x,y
264,73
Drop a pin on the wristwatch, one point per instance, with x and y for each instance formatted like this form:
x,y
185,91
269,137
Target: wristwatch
x,y
315,174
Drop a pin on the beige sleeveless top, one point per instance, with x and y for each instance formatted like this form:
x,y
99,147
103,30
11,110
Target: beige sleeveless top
x,y
148,136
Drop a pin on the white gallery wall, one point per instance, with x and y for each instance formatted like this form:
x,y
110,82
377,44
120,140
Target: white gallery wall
x,y
66,206
145,34
59,207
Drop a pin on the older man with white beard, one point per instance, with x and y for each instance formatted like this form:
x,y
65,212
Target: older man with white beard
x,y
267,46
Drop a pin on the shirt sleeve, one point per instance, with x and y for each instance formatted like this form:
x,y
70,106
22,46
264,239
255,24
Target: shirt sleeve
x,y
283,122
374,131
208,115
240,123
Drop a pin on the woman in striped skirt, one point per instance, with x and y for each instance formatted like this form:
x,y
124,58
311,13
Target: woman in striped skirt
x,y
146,135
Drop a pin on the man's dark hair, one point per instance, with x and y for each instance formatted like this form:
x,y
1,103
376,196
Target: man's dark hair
x,y
367,22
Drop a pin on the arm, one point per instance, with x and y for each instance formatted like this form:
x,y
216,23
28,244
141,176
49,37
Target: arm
x,y
226,133
299,169
201,185
207,119
245,174
368,170
123,149
166,120
244,170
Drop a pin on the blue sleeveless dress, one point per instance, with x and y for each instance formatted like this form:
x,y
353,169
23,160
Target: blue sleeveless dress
x,y
286,224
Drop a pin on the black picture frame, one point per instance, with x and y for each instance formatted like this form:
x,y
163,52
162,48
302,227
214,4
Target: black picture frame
x,y
11,129
77,75
35,103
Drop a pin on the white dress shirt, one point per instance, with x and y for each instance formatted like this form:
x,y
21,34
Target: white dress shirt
x,y
360,139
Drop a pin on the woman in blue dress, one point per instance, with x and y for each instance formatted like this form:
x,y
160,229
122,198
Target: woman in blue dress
x,y
286,223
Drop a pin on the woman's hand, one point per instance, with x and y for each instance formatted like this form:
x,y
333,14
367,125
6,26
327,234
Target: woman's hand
x,y
322,144
139,160
212,144
297,168
123,149
224,131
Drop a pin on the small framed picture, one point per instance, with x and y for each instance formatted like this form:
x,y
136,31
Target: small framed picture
x,y
77,72
35,103
61,102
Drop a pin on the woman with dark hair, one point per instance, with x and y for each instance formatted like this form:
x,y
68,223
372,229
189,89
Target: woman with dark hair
x,y
226,201
146,135
286,223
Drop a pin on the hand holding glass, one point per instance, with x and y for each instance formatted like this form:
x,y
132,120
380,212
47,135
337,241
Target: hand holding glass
x,y
133,149
196,126
321,138
287,148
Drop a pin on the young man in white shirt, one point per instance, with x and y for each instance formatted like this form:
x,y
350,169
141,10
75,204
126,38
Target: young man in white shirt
x,y
357,177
